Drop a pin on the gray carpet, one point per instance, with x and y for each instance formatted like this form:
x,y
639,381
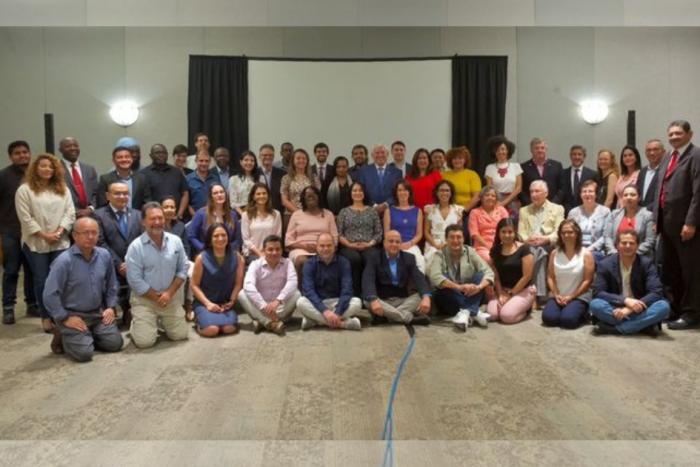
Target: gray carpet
x,y
508,395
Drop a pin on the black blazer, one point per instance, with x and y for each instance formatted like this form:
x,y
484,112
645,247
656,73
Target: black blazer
x,y
682,193
275,186
89,176
552,175
111,237
644,281
647,200
330,173
141,189
568,198
376,277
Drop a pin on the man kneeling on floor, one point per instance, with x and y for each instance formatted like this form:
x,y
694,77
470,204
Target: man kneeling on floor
x,y
460,277
270,288
327,288
628,292
81,294
385,284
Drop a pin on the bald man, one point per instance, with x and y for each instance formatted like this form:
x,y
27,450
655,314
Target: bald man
x,y
81,178
385,284
81,296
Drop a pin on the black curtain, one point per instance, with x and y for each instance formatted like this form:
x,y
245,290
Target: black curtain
x,y
478,104
217,103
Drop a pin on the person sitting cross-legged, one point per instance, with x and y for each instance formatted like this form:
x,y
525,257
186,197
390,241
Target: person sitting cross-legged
x,y
270,289
327,289
80,296
385,284
628,292
460,276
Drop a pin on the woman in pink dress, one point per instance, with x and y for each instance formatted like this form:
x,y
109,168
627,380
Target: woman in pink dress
x,y
483,221
630,164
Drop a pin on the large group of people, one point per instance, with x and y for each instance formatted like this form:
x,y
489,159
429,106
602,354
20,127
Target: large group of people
x,y
220,235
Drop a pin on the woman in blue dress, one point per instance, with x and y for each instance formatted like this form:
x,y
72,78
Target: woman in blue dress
x,y
216,281
407,219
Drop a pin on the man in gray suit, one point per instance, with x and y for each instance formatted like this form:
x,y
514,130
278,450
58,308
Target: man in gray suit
x,y
81,178
649,175
677,214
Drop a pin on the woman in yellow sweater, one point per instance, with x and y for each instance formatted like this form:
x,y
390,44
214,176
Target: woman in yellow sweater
x,y
466,182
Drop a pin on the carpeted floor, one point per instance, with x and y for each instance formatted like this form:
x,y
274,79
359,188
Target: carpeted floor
x,y
507,395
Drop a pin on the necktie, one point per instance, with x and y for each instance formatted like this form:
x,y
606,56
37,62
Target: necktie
x,y
671,167
322,172
79,187
380,172
122,221
577,181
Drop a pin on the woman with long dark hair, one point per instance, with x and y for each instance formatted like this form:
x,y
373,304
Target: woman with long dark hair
x,y
217,210
239,185
422,177
337,194
259,221
630,165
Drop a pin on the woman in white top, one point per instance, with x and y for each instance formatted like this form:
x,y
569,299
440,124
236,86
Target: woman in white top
x,y
592,218
46,215
503,175
259,221
438,216
569,277
239,185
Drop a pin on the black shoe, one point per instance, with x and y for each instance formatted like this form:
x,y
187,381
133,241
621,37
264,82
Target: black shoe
x,y
604,328
33,310
421,320
257,327
653,331
681,324
8,316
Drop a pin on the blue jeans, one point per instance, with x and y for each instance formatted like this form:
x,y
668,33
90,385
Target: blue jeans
x,y
40,264
13,259
654,314
568,317
450,301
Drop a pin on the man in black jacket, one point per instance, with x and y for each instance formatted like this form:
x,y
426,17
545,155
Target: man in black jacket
x,y
649,175
386,282
138,184
573,177
273,175
541,168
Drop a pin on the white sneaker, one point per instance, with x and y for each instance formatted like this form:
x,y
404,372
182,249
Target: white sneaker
x,y
353,324
462,317
307,323
482,319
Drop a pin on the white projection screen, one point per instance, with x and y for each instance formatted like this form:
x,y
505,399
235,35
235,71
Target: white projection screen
x,y
345,103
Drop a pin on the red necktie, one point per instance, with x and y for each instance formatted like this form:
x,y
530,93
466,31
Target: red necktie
x,y
671,167
79,187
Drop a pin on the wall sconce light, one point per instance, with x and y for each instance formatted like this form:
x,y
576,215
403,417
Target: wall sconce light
x,y
124,113
594,111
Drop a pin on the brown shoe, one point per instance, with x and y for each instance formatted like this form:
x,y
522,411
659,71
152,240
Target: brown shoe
x,y
189,312
276,327
56,342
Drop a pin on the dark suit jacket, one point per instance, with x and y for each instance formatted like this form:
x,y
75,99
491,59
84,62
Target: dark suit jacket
x,y
377,192
647,200
682,193
275,187
111,237
89,175
329,175
644,281
552,175
408,169
376,277
568,198
141,189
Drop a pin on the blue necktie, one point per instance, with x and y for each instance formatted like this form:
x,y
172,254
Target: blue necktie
x,y
121,219
380,172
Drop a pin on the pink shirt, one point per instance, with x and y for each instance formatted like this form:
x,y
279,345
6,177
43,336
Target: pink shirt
x,y
263,283
483,224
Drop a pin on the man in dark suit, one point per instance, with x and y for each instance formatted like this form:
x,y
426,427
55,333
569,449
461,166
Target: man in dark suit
x,y
119,226
385,284
359,157
139,187
379,180
322,168
649,175
572,178
398,154
81,178
273,175
677,214
628,292
541,168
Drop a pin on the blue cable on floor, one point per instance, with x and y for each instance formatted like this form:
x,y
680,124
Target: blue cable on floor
x,y
389,420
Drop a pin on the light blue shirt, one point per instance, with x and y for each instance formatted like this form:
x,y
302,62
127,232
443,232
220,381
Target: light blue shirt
x,y
224,175
394,268
76,285
148,267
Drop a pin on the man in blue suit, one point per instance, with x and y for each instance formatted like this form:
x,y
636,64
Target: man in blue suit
x,y
379,179
119,226
628,291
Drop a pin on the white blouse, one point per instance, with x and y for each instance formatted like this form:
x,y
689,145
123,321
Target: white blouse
x,y
569,273
239,189
253,233
503,182
45,211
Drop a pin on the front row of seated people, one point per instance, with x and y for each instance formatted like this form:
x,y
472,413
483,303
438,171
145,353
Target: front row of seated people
x,y
81,292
